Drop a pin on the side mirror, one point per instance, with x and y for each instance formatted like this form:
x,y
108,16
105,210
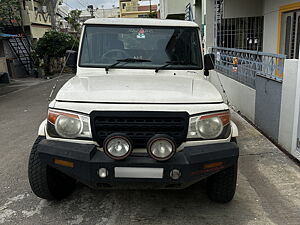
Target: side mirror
x,y
209,63
71,57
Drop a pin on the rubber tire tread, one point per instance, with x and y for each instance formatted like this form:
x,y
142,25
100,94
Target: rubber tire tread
x,y
46,182
221,186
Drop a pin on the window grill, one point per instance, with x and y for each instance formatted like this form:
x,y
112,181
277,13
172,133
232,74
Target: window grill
x,y
242,33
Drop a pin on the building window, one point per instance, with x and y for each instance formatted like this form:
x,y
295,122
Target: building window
x,y
242,33
123,5
290,34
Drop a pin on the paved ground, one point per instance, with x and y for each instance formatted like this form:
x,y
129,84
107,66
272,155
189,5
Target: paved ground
x,y
268,184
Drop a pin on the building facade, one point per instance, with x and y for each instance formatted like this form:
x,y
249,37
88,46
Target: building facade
x,y
132,9
259,25
36,18
268,26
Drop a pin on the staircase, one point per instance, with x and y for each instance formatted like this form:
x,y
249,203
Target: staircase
x,y
22,51
20,44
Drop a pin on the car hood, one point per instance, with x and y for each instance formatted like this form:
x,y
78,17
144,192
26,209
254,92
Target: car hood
x,y
139,89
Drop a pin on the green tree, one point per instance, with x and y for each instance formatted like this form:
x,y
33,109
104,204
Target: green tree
x,y
73,20
54,44
9,10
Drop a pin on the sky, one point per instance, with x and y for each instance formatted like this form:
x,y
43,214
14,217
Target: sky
x,y
82,4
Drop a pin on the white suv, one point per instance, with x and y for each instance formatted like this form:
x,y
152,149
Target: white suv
x,y
139,111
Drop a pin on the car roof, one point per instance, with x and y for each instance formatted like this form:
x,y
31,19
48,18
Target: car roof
x,y
141,22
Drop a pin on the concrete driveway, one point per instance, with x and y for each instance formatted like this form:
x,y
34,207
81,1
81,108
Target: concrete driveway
x,y
268,189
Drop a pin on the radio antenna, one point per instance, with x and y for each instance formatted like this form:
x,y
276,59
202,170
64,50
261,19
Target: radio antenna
x,y
58,77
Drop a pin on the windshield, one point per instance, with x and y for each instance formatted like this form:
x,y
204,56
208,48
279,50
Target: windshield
x,y
157,46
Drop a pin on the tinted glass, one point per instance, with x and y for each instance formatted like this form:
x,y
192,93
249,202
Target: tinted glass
x,y
104,45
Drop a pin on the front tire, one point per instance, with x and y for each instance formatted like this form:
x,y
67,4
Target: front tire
x,y
222,185
45,181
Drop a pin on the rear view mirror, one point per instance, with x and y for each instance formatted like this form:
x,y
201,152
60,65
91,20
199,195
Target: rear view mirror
x,y
209,63
71,57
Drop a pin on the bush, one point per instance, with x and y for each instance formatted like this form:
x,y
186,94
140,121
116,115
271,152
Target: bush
x,y
55,44
52,48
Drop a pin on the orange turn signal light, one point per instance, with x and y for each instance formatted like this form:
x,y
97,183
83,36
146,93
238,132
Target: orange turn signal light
x,y
225,117
64,163
213,165
53,115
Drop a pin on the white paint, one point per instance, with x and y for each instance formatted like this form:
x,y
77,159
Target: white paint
x,y
235,131
43,203
240,96
121,88
290,107
189,108
17,198
42,128
288,99
295,151
5,213
141,22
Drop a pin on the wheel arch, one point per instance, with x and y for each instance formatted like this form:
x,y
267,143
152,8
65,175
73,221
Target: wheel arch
x,y
235,131
42,128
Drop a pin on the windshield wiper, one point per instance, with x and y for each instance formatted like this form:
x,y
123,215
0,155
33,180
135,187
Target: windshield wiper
x,y
127,60
166,65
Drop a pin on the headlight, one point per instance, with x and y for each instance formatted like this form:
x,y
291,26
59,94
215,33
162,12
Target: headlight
x,y
208,126
68,125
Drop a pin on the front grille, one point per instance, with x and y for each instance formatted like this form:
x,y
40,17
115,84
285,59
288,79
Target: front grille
x,y
139,126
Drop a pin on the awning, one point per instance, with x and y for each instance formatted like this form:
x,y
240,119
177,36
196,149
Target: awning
x,y
7,35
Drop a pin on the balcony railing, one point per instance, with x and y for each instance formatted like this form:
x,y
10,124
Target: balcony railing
x,y
244,66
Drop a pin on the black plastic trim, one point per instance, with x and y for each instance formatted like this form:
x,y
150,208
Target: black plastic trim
x,y
210,112
141,141
88,160
143,103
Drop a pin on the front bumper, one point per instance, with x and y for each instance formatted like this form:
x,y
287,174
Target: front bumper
x,y
86,160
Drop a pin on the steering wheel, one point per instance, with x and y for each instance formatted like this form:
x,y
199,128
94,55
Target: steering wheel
x,y
113,55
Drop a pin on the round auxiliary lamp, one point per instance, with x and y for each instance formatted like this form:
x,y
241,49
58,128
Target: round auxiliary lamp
x,y
161,147
117,146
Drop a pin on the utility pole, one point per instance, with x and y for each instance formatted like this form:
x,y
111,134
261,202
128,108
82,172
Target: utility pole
x,y
150,7
91,9
21,15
